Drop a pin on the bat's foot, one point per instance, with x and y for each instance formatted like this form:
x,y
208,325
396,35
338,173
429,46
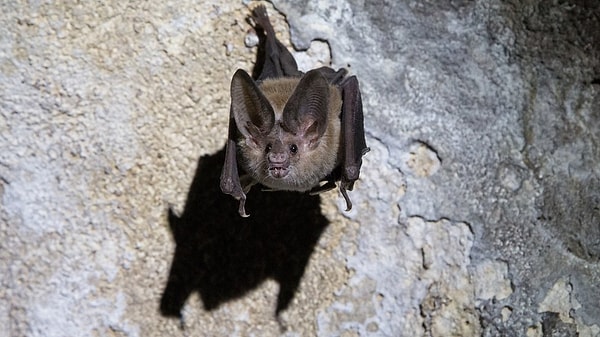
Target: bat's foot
x,y
260,15
323,188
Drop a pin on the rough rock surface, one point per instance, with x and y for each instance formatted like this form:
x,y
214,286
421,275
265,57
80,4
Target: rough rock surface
x,y
477,212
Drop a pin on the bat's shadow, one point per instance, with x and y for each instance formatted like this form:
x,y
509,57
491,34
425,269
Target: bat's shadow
x,y
223,256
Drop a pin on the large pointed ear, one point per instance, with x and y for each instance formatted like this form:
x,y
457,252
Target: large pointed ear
x,y
305,113
251,110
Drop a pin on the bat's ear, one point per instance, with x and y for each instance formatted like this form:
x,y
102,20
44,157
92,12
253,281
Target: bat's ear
x,y
251,110
305,113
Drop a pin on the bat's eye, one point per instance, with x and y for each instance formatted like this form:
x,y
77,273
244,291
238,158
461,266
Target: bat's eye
x,y
268,148
293,148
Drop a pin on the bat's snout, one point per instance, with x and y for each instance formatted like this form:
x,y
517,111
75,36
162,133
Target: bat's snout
x,y
277,158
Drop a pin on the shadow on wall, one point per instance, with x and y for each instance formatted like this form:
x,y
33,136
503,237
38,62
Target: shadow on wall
x,y
223,256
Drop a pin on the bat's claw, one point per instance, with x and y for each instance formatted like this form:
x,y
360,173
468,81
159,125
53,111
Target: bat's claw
x,y
242,209
346,197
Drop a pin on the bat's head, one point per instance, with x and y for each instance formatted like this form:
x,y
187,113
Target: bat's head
x,y
287,141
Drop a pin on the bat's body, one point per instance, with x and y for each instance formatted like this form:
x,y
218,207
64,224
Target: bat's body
x,y
291,130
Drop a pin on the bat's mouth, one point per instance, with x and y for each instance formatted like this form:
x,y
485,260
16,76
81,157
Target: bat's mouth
x,y
278,171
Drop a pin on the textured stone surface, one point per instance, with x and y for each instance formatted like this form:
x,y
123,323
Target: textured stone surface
x,y
477,212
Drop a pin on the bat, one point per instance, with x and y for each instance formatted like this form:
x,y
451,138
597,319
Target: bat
x,y
290,130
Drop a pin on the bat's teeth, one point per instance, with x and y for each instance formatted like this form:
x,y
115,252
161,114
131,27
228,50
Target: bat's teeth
x,y
278,172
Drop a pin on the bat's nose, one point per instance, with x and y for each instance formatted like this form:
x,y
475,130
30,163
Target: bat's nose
x,y
277,158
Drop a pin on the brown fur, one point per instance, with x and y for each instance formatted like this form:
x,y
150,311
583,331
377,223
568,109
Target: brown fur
x,y
311,164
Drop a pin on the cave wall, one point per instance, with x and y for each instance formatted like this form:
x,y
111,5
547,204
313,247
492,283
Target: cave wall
x,y
477,212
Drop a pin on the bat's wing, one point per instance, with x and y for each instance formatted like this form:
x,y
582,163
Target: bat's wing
x,y
353,136
353,141
230,178
278,61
